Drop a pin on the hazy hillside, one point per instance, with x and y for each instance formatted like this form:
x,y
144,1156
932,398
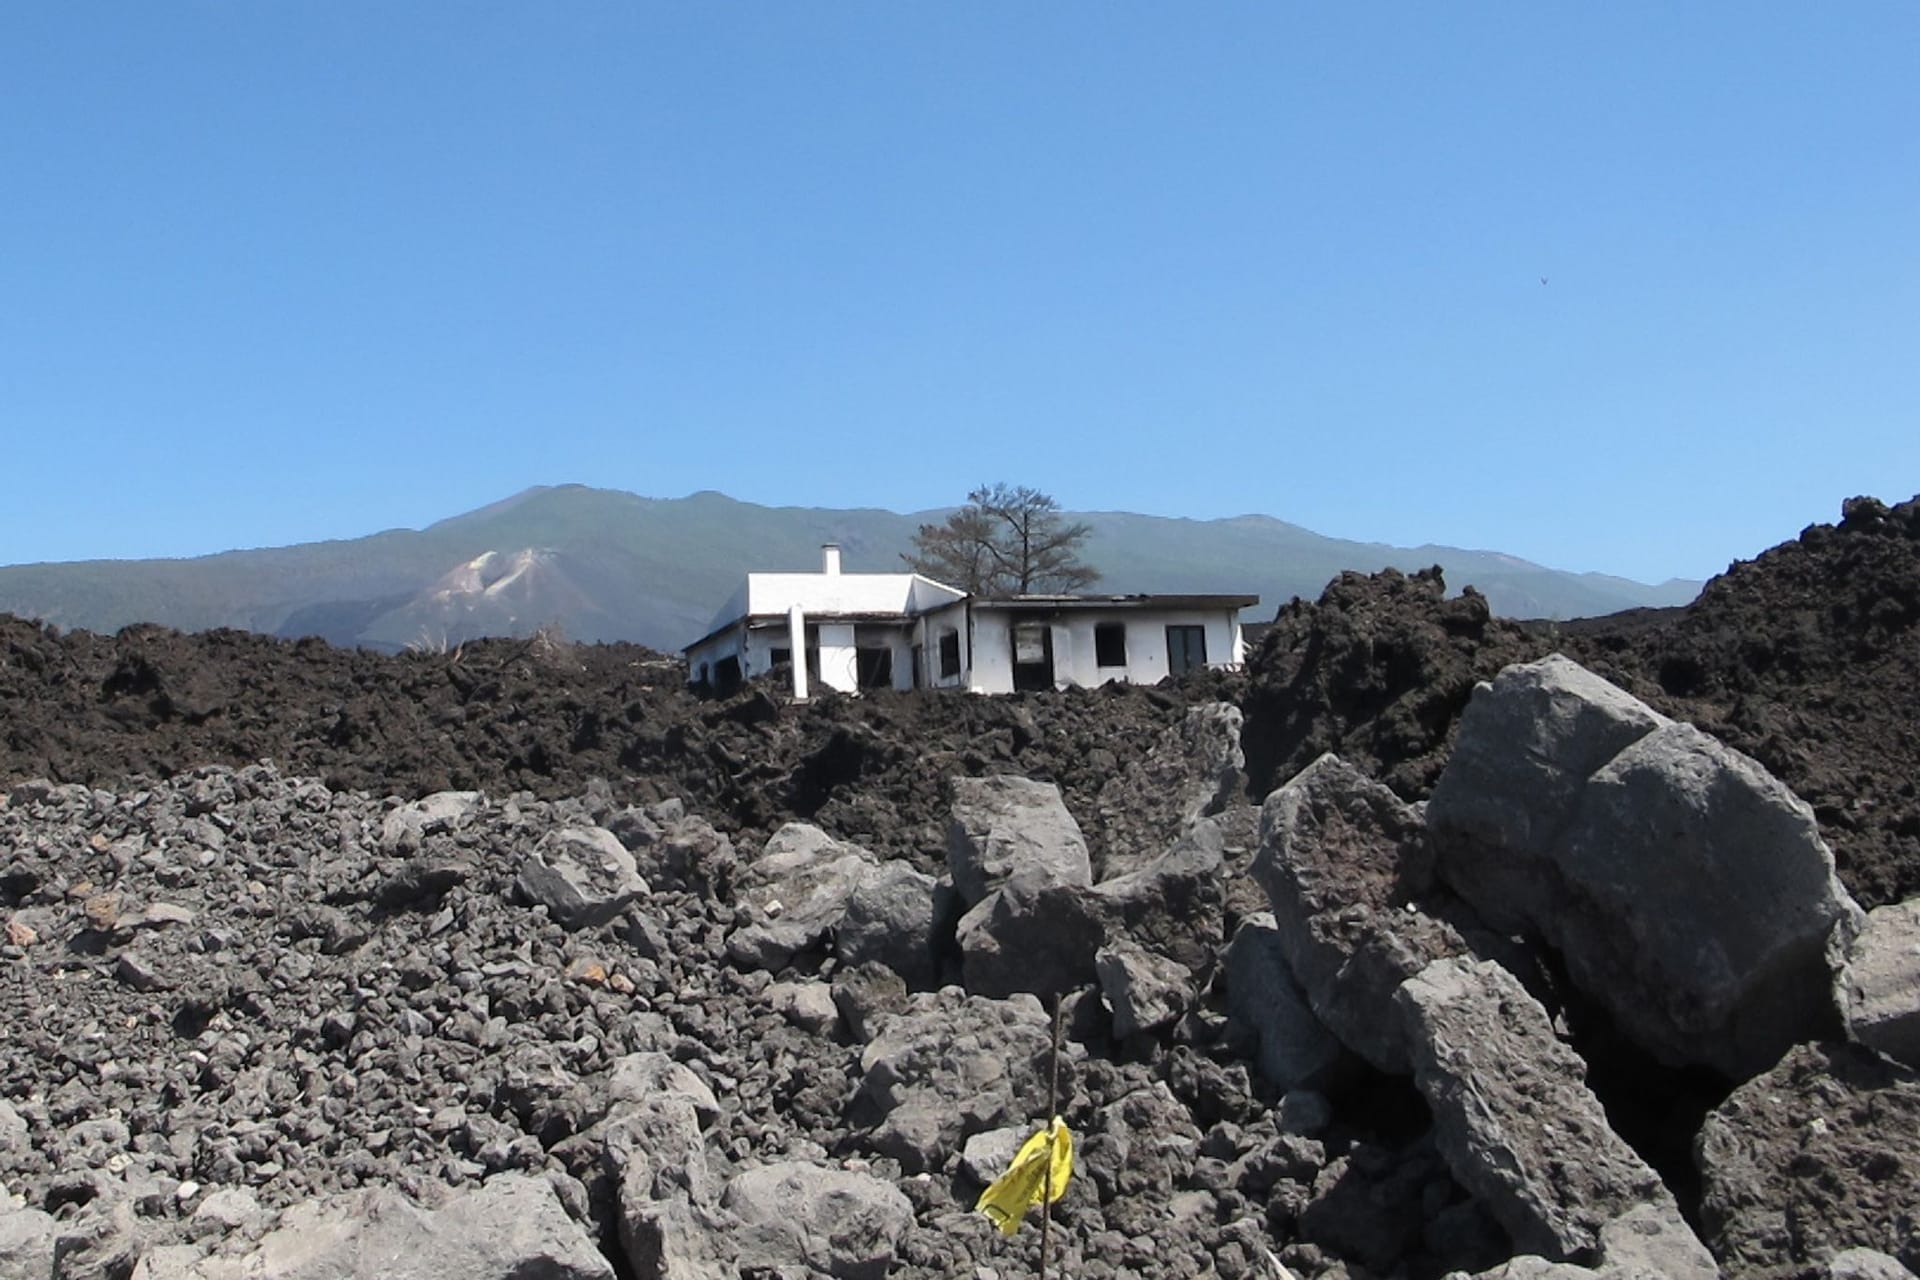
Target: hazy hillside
x,y
608,565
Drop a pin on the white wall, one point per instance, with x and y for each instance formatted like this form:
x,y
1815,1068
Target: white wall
x,y
1074,656
711,651
837,669
931,627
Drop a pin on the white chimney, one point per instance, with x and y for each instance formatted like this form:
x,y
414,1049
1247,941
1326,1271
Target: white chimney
x,y
830,558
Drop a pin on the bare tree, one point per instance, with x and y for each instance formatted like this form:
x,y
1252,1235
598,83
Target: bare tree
x,y
1006,541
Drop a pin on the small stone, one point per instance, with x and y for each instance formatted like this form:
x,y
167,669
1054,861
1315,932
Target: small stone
x,y
21,934
590,972
102,911
138,972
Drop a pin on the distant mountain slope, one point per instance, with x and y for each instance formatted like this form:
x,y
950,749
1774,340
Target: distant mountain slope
x,y
608,565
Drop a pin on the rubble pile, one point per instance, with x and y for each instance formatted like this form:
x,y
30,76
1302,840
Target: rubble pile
x,y
1365,964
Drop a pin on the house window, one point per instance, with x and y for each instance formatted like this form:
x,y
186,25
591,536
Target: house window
x,y
782,655
1186,649
949,654
726,674
1110,644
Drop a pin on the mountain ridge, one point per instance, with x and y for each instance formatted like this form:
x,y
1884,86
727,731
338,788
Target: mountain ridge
x,y
606,564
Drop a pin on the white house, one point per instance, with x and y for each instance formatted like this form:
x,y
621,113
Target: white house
x,y
906,631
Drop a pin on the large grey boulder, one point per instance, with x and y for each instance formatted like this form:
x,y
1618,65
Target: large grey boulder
x,y
1342,860
671,1226
1266,1008
1811,1159
1706,914
1882,982
950,1066
1003,825
1513,1115
889,920
583,876
1032,935
1687,889
795,894
1171,905
511,1228
1527,744
832,1222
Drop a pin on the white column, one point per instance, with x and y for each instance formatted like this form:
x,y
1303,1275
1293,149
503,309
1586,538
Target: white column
x,y
797,646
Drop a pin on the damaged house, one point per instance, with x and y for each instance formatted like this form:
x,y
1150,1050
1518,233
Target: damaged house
x,y
853,631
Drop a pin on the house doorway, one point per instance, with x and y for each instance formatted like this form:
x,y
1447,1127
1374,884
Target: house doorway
x,y
1032,657
1186,649
873,668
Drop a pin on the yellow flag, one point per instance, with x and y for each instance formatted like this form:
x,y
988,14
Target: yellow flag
x,y
1026,1181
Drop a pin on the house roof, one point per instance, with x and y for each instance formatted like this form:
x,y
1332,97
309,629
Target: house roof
x,y
1041,603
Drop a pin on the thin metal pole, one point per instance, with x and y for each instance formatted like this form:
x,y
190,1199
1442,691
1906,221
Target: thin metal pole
x,y
1053,1105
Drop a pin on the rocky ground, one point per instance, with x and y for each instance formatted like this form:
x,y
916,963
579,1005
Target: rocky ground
x,y
527,933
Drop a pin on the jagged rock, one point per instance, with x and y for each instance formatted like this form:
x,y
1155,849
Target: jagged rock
x,y
1651,1242
406,827
1369,1205
1144,991
1513,1116
640,1078
583,876
889,919
1838,1121
807,1005
1032,935
833,1221
951,1066
511,1228
1005,825
670,1225
26,1241
795,894
1882,982
672,1238
1342,860
1195,770
1688,890
1865,1264
1267,1009
1528,743
105,1240
13,1131
987,1155
1170,906
690,854
863,994
1138,1150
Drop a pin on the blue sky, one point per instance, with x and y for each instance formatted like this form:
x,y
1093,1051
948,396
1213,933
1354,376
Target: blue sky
x,y
275,273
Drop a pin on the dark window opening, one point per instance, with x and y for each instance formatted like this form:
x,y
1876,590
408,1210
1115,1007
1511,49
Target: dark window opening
x,y
782,655
1110,644
726,674
919,667
949,654
1186,649
873,668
